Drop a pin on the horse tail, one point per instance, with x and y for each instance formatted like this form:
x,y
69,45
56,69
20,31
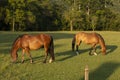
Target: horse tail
x,y
73,43
52,48
102,44
15,46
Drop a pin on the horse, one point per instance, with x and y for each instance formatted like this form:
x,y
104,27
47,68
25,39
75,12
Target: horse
x,y
91,39
28,42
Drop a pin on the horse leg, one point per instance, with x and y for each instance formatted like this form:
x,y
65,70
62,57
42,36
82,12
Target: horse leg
x,y
23,52
50,52
46,54
45,57
95,52
77,52
52,58
28,53
93,49
90,53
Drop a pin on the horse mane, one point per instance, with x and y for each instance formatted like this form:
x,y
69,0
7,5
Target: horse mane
x,y
17,39
101,38
102,43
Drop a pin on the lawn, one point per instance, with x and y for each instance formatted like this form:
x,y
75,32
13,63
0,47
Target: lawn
x,y
68,65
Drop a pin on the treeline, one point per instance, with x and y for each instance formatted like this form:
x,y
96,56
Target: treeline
x,y
44,15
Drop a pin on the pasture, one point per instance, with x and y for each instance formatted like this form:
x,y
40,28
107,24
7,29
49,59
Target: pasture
x,y
68,65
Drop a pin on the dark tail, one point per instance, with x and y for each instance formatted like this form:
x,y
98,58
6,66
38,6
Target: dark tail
x,y
73,43
52,48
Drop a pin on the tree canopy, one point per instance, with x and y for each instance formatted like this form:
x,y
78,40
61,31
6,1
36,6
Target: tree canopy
x,y
49,15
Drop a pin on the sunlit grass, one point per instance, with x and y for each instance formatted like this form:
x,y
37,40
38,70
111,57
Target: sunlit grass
x,y
67,66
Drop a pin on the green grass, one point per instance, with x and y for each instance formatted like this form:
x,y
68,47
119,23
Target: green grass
x,y
68,66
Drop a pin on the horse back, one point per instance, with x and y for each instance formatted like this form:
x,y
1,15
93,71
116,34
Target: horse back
x,y
45,38
35,41
88,38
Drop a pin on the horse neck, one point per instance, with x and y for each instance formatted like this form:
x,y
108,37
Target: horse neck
x,y
16,46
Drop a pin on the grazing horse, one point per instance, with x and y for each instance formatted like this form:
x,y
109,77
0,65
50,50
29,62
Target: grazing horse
x,y
89,38
33,42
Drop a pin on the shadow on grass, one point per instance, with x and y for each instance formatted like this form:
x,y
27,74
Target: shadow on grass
x,y
65,55
109,49
70,53
37,59
104,71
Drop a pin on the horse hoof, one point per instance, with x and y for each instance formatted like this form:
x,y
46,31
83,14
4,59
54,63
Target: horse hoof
x,y
50,61
77,53
95,53
31,62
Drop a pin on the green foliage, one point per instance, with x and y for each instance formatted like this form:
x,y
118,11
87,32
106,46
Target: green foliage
x,y
16,14
94,22
21,15
72,14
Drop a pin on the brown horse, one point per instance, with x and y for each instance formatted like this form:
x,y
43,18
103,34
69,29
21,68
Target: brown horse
x,y
32,42
89,38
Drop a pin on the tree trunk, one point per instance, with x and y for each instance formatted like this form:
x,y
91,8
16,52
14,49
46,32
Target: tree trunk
x,y
88,9
13,25
71,25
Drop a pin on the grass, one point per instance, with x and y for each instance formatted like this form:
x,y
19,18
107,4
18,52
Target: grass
x,y
68,66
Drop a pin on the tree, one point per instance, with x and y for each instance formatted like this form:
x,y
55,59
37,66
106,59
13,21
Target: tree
x,y
94,22
16,14
72,14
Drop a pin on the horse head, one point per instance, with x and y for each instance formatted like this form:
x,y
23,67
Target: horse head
x,y
14,56
15,47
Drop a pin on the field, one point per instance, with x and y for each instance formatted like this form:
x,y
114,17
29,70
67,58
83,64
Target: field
x,y
68,65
